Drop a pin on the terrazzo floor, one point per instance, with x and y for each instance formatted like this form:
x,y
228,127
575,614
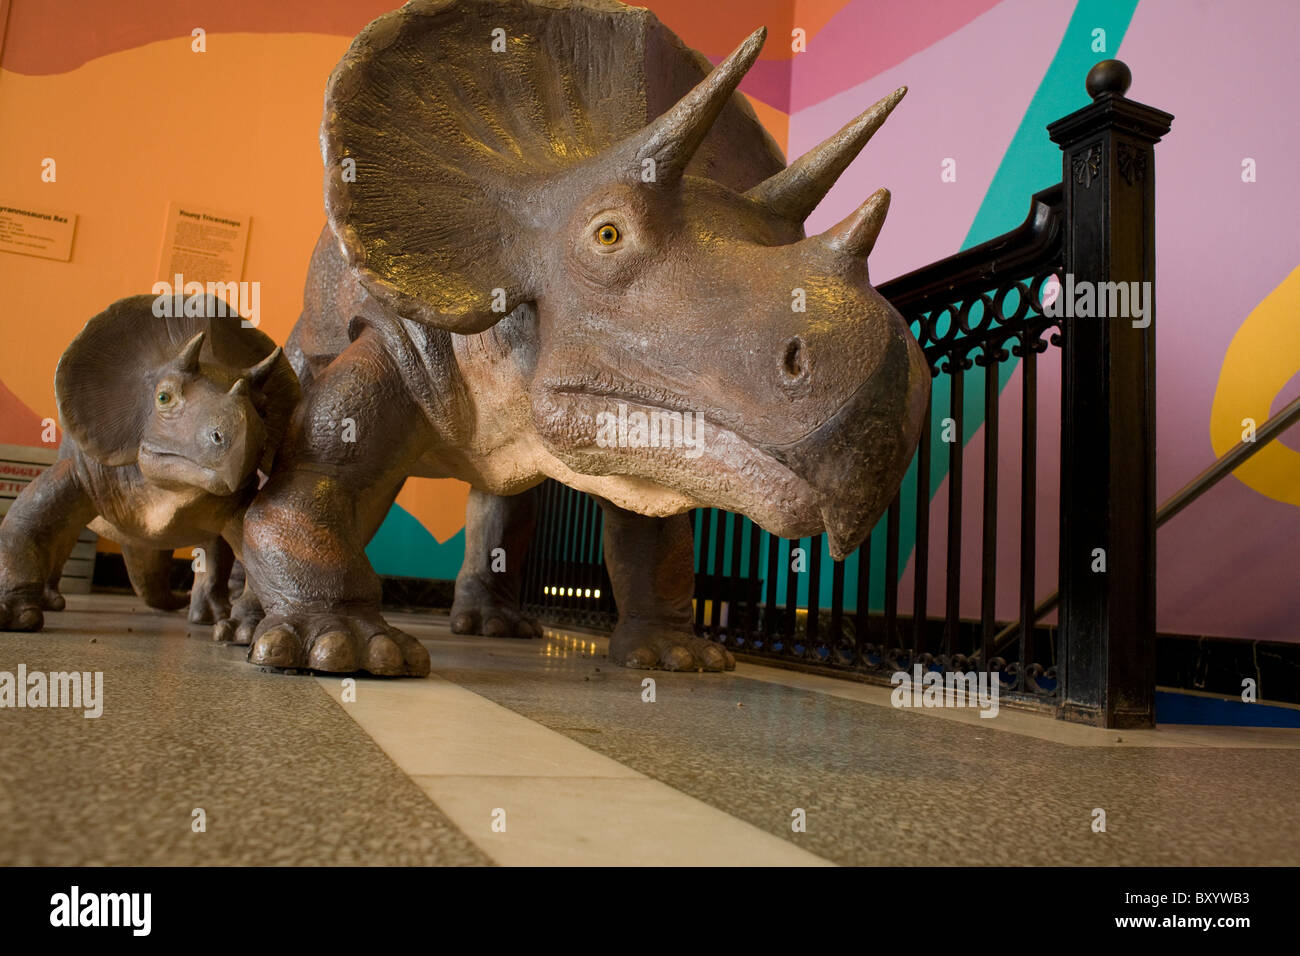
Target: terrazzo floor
x,y
540,752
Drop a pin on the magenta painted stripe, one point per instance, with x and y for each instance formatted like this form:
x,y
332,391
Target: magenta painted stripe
x,y
868,37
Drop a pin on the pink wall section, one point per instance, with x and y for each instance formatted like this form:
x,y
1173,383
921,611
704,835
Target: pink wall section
x,y
967,93
1229,74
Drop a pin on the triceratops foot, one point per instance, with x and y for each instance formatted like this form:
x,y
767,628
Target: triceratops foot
x,y
492,620
20,610
239,622
52,600
337,643
653,645
209,609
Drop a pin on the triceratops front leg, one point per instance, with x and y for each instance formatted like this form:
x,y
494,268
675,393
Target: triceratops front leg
x,y
38,533
651,564
354,440
498,530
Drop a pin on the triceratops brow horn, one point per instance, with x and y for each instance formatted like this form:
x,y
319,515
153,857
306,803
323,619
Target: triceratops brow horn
x,y
258,373
795,192
857,232
672,139
188,358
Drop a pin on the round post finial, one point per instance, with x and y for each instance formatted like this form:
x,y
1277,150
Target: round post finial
x,y
1109,76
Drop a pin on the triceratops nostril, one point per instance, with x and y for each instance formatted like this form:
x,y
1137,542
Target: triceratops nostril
x,y
794,363
216,437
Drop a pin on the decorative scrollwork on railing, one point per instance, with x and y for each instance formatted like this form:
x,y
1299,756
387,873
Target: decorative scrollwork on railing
x,y
987,321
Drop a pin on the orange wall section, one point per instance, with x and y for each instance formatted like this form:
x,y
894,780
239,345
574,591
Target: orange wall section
x,y
135,125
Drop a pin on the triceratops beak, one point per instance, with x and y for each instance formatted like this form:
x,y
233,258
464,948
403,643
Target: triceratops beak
x,y
795,191
671,140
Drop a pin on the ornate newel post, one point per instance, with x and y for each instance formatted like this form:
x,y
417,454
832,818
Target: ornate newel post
x,y
1108,396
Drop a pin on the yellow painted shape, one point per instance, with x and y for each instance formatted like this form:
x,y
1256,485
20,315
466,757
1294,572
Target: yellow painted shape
x,y
1264,355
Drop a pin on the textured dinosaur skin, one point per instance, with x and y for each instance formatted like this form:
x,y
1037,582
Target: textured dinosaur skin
x,y
166,423
524,242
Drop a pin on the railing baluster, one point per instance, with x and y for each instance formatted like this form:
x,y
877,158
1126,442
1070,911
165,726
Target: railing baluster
x,y
891,575
791,600
989,562
837,612
1028,497
754,579
952,602
706,528
769,612
813,629
921,564
862,616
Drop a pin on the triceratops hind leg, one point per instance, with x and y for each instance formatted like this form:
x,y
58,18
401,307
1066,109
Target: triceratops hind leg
x,y
210,594
37,535
150,571
498,530
651,564
356,437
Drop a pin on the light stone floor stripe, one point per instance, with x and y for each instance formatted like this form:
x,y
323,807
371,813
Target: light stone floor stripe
x,y
563,803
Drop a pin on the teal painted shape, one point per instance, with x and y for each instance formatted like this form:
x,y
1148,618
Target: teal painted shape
x,y
404,548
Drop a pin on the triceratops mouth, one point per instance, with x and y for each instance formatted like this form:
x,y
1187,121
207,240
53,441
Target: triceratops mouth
x,y
837,478
594,431
170,468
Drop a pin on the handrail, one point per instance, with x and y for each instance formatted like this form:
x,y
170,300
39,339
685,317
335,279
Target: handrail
x,y
1198,486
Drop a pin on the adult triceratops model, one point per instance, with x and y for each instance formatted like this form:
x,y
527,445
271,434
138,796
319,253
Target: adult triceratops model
x,y
539,212
166,423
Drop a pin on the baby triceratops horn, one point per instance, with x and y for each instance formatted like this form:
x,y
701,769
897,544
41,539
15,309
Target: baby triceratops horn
x,y
258,373
188,359
795,192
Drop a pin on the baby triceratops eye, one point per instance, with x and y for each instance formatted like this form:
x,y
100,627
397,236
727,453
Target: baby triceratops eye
x,y
164,397
607,234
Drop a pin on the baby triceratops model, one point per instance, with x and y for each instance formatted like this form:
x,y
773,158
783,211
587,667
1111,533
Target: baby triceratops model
x,y
166,423
542,215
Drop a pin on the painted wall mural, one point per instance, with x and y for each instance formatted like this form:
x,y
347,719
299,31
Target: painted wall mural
x,y
136,119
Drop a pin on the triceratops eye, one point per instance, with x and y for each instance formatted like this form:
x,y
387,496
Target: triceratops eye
x,y
607,235
164,398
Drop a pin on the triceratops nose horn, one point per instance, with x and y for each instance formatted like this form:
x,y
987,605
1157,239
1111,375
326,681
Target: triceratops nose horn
x,y
258,373
795,192
188,359
671,140
857,232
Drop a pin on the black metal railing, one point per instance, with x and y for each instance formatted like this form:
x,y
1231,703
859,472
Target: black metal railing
x,y
565,578
978,315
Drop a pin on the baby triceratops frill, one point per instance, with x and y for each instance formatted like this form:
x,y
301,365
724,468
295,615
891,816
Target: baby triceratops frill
x,y
544,217
166,424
